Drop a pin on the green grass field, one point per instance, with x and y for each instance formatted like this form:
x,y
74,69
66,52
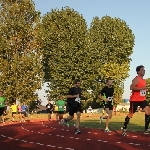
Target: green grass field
x,y
136,123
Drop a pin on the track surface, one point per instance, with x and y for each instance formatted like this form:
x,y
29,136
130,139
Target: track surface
x,y
43,135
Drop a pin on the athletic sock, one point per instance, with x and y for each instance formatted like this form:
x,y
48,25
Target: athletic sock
x,y
127,119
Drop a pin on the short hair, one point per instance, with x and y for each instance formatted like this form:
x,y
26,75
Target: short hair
x,y
108,80
76,81
138,68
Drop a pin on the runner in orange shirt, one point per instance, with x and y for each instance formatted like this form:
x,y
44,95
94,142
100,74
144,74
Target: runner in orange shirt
x,y
138,98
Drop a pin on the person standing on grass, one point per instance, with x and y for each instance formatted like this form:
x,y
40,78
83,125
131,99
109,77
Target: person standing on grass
x,y
138,98
49,109
106,95
2,104
60,104
73,100
13,108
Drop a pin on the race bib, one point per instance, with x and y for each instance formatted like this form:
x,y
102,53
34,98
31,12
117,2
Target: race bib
x,y
48,107
142,92
60,106
110,98
77,100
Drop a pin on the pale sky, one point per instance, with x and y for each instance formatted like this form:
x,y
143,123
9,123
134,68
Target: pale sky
x,y
136,13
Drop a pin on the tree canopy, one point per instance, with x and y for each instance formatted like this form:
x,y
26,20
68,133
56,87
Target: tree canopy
x,y
71,51
21,72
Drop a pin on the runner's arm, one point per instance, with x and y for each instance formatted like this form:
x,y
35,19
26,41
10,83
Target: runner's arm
x,y
134,84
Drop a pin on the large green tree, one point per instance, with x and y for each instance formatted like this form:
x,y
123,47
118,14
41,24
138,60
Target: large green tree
x,y
148,92
21,70
110,45
64,44
71,51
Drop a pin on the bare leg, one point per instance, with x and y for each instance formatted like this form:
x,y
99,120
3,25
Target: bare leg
x,y
78,119
109,112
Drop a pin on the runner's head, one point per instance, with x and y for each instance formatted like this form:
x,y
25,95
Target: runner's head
x,y
60,97
77,83
109,82
1,93
140,70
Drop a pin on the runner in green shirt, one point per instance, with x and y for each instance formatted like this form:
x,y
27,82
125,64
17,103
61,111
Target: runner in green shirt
x,y
61,104
2,104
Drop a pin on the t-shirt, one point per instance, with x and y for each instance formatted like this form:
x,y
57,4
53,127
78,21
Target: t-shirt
x,y
2,102
13,108
24,107
108,92
49,107
60,104
74,91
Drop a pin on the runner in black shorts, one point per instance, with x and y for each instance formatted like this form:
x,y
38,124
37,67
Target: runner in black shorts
x,y
106,95
49,109
74,96
138,98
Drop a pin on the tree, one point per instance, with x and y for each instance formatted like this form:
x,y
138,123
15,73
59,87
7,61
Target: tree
x,y
110,45
71,51
64,44
148,93
21,70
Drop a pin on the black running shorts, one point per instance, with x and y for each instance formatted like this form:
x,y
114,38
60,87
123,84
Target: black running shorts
x,y
109,106
135,104
74,109
1,111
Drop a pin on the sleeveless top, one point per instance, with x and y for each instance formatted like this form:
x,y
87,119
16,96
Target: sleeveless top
x,y
19,109
141,94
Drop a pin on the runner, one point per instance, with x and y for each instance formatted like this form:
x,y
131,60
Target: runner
x,y
2,102
61,104
24,108
20,112
106,95
13,108
138,98
49,109
74,96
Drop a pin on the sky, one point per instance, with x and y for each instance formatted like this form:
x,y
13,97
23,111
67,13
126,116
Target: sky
x,y
135,13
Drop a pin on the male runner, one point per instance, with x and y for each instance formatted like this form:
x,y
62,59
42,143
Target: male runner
x,y
138,98
24,111
106,95
49,109
60,104
73,101
2,104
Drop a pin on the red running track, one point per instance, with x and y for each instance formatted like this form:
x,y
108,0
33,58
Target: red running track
x,y
43,135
